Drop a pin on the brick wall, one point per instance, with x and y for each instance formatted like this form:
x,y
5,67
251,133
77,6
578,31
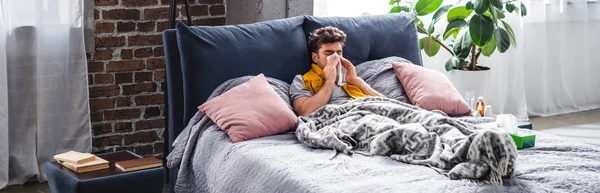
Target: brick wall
x,y
127,70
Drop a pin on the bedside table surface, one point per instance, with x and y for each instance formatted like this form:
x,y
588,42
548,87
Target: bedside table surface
x,y
111,157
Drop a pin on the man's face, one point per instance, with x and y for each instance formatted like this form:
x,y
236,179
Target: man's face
x,y
320,58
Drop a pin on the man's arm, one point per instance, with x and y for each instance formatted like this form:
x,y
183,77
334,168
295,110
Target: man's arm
x,y
306,105
366,88
353,79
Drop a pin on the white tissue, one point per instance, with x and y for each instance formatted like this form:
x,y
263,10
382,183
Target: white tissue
x,y
508,123
341,71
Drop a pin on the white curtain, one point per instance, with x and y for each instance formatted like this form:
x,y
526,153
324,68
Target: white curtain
x,y
553,70
44,106
562,64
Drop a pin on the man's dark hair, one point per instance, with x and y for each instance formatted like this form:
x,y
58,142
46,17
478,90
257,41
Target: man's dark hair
x,y
325,35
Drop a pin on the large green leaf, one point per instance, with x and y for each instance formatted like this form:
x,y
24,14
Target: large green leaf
x,y
460,12
396,9
481,5
439,13
500,14
419,23
454,26
523,10
481,28
394,1
511,34
431,28
489,48
462,44
502,40
430,46
496,3
510,7
451,63
469,5
424,7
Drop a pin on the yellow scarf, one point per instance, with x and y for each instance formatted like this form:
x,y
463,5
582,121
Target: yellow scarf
x,y
313,81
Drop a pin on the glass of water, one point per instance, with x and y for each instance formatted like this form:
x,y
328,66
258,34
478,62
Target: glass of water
x,y
470,98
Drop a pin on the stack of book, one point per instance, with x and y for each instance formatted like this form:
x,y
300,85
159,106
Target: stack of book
x,y
138,164
81,162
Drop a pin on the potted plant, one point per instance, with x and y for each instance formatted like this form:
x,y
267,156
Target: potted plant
x,y
475,28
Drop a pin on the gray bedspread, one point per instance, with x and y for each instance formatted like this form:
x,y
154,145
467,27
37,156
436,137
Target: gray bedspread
x,y
282,164
209,162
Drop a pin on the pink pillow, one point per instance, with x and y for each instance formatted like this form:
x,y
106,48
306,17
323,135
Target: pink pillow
x,y
250,110
430,89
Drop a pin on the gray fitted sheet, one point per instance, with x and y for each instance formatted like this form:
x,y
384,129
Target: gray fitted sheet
x,y
281,164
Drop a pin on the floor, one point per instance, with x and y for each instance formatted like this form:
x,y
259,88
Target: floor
x,y
584,126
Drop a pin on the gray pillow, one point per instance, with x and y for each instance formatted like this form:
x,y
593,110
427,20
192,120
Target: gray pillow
x,y
381,76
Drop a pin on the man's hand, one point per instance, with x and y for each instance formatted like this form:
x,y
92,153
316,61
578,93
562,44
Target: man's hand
x,y
330,71
353,79
351,76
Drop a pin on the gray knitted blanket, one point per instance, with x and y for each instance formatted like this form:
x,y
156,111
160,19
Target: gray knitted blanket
x,y
387,127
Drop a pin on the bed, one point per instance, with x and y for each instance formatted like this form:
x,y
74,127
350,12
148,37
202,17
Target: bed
x,y
200,59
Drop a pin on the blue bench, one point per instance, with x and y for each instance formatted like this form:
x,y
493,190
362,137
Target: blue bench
x,y
64,180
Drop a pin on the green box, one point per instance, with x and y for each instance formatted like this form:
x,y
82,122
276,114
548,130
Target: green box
x,y
524,139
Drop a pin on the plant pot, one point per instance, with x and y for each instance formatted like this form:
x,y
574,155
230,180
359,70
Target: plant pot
x,y
476,81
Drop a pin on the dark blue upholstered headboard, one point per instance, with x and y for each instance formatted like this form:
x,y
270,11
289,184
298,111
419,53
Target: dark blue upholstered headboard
x,y
199,58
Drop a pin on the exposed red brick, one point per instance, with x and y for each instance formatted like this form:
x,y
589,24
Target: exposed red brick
x,y
106,2
104,91
201,10
159,51
145,150
146,26
123,127
104,78
110,41
138,88
156,63
162,26
121,78
143,52
98,129
149,124
159,75
151,112
141,40
121,114
217,10
159,147
90,79
118,14
95,66
128,65
131,149
125,26
105,103
108,141
141,137
149,100
103,55
96,116
123,101
139,2
156,13
126,53
96,14
142,77
105,27
210,21
211,1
